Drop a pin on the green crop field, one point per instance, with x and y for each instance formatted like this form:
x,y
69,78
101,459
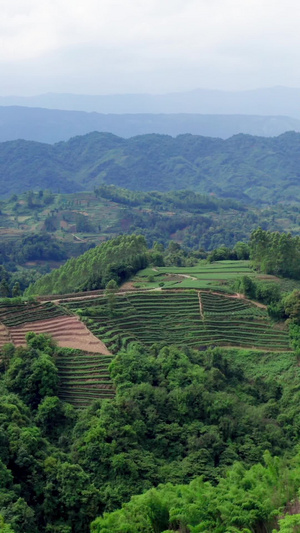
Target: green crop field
x,y
215,276
237,322
193,318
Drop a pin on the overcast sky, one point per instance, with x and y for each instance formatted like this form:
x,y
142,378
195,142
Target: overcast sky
x,y
154,46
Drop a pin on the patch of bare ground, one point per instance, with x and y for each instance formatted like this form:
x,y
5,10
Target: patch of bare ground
x,y
4,335
68,332
128,286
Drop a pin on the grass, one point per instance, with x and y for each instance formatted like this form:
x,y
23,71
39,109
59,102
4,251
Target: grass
x,y
214,276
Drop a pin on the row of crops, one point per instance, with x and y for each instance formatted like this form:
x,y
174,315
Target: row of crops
x,y
25,312
238,322
185,317
84,377
172,318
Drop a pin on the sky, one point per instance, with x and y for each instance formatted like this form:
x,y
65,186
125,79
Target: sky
x,y
147,46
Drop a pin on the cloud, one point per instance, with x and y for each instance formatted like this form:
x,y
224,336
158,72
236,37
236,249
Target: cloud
x,y
200,38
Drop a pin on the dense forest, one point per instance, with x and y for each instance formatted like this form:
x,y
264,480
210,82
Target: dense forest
x,y
252,169
177,415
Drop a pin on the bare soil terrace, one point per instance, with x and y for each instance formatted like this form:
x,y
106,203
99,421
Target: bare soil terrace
x,y
68,332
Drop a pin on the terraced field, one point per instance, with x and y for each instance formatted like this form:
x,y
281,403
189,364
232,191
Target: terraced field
x,y
83,372
237,322
84,377
193,318
145,317
184,317
22,313
67,331
5,337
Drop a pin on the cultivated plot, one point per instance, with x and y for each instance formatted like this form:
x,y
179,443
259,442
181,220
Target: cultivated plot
x,y
193,318
83,371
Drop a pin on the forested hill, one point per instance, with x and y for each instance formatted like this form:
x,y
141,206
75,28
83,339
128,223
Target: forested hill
x,y
116,259
252,169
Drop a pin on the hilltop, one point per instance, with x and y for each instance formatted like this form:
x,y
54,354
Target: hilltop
x,y
251,169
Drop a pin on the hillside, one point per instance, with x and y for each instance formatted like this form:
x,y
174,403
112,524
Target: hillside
x,y
116,259
252,169
178,376
54,125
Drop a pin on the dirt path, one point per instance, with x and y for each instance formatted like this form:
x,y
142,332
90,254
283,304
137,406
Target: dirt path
x,y
238,296
128,287
200,306
187,276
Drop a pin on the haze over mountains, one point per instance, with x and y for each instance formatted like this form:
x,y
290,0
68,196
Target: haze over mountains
x,y
51,126
268,101
55,117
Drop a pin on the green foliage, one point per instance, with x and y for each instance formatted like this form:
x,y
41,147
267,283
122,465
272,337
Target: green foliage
x,y
245,500
5,528
32,372
289,524
115,260
276,253
165,163
294,330
110,293
291,304
265,292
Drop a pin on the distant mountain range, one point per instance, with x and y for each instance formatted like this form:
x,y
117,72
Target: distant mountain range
x,y
251,169
50,126
55,117
272,101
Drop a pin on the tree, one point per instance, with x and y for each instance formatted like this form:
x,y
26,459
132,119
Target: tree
x,y
4,527
291,304
4,289
110,293
16,290
32,373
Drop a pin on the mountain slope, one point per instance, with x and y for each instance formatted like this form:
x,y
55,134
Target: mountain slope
x,y
253,169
